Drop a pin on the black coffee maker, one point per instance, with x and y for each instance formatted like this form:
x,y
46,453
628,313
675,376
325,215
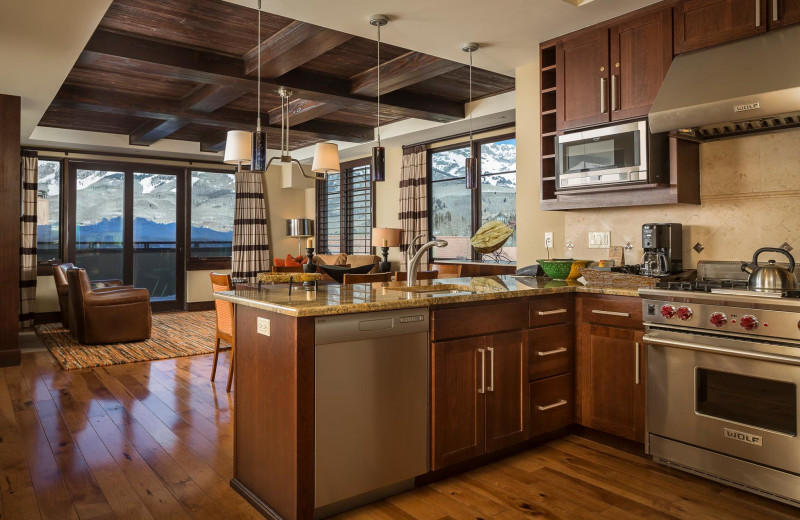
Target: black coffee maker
x,y
662,249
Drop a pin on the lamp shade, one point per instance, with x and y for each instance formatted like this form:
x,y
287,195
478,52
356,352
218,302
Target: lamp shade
x,y
326,158
237,147
299,227
391,235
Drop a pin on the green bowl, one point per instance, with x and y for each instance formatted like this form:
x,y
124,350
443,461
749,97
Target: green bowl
x,y
556,269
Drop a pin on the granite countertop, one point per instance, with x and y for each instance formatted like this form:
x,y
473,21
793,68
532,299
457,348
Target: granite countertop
x,y
330,299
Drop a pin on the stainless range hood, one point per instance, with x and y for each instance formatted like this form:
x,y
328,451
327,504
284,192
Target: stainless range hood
x,y
742,87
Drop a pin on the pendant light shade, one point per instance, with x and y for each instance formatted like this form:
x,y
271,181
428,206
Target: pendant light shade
x,y
378,165
471,164
326,158
258,157
237,147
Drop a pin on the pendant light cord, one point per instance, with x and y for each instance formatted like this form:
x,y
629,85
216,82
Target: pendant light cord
x,y
379,85
470,97
258,120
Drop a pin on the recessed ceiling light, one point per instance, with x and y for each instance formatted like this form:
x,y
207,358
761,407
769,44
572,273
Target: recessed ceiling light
x,y
578,3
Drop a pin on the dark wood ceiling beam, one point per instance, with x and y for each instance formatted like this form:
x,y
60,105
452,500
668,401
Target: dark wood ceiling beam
x,y
99,100
214,142
204,99
302,110
128,54
292,46
403,71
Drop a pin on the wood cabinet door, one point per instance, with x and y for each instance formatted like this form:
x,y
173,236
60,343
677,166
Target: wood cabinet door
x,y
641,53
703,23
457,404
610,384
507,390
783,13
582,81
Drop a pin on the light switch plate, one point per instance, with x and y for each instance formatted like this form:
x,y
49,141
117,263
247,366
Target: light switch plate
x,y
599,239
262,326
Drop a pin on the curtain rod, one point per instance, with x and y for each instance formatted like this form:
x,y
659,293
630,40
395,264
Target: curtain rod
x,y
143,158
462,134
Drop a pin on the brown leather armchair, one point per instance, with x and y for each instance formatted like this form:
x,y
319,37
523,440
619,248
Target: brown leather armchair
x,y
62,288
110,315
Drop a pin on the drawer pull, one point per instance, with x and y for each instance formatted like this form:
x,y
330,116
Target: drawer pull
x,y
548,313
551,352
560,402
612,313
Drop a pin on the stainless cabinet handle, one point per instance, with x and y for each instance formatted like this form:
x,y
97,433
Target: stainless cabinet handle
x,y
612,313
548,313
614,100
758,13
551,352
637,363
775,16
490,388
603,95
482,389
560,402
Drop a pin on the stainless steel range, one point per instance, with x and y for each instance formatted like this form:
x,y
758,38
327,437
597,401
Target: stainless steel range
x,y
723,371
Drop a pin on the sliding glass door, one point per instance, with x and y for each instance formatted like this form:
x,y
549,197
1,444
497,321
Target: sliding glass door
x,y
129,226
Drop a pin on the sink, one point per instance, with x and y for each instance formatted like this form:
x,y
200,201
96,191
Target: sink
x,y
442,287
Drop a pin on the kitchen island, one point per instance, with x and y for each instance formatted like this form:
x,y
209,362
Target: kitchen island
x,y
487,395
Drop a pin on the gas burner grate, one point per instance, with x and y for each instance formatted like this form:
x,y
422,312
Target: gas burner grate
x,y
702,286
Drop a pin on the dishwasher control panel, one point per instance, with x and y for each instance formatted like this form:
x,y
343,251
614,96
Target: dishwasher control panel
x,y
412,319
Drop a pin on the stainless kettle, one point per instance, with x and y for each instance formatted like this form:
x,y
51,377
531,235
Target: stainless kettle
x,y
770,277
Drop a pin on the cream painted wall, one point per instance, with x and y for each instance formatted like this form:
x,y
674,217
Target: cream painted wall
x,y
750,192
532,222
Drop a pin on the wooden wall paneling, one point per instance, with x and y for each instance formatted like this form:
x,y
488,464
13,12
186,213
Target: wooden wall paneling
x,y
10,193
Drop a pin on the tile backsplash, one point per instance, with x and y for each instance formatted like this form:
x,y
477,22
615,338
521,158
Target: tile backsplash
x,y
750,192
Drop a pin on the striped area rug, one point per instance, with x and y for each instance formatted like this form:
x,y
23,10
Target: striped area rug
x,y
175,334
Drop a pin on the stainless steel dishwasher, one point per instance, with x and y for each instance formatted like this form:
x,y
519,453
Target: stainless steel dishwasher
x,y
371,406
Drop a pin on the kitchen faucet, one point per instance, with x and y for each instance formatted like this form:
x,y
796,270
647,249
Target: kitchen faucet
x,y
414,257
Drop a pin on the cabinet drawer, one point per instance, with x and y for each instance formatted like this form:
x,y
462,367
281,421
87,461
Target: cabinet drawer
x,y
552,404
550,351
476,320
617,311
551,311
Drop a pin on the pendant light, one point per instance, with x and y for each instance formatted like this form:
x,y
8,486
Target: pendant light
x,y
471,163
378,166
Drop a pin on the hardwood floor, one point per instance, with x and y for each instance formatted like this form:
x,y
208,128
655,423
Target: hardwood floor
x,y
154,440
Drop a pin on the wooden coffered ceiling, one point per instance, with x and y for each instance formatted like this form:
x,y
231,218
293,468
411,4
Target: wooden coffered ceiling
x,y
186,70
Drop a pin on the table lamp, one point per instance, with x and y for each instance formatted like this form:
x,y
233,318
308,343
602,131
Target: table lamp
x,y
300,228
386,238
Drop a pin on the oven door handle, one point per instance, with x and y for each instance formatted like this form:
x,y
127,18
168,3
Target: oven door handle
x,y
687,345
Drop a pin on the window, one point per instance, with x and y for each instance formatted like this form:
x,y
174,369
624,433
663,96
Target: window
x,y
457,213
48,229
213,203
345,210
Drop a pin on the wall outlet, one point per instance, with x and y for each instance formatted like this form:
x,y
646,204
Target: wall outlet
x,y
599,239
262,326
548,239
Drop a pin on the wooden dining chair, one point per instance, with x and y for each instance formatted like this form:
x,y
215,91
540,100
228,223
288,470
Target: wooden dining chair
x,y
225,323
367,278
450,270
402,276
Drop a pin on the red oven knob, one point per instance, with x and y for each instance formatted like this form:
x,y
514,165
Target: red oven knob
x,y
748,322
668,311
684,313
719,319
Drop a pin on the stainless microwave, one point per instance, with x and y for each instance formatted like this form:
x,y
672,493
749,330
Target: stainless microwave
x,y
625,153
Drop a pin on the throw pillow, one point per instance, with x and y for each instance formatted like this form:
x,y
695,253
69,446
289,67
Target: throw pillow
x,y
279,262
341,259
290,261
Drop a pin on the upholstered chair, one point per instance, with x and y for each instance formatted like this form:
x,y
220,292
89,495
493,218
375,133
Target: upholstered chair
x,y
62,288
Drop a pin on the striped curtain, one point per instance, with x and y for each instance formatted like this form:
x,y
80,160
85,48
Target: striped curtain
x,y
414,198
250,228
27,250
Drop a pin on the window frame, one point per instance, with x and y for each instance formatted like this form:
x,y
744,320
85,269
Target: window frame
x,y
475,205
209,263
46,268
345,231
